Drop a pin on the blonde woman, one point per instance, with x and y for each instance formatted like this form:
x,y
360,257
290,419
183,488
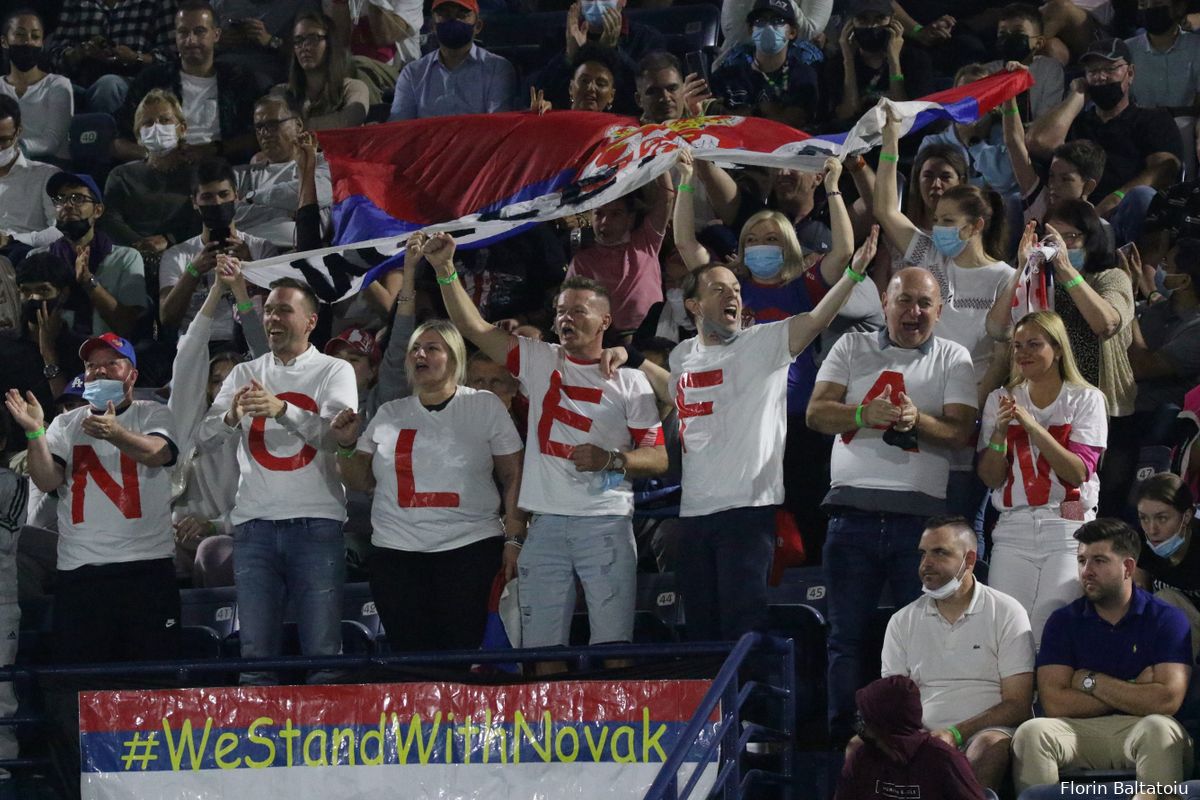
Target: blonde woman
x,y
430,459
1041,439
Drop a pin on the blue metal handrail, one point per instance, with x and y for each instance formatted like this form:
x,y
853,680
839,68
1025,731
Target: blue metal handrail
x,y
725,693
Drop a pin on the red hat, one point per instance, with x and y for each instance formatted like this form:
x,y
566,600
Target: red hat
x,y
111,341
470,5
356,338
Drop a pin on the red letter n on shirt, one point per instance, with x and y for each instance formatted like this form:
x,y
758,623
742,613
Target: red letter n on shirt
x,y
126,496
553,410
695,380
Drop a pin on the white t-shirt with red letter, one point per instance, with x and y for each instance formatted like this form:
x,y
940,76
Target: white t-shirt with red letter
x,y
433,471
288,468
732,404
111,509
571,403
1077,416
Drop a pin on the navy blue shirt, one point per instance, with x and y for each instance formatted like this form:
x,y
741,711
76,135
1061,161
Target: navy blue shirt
x,y
738,82
1151,632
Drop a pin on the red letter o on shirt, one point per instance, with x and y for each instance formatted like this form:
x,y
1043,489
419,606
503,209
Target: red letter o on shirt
x,y
258,443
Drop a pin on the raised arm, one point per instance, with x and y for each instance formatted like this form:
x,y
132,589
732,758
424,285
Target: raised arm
x,y
694,254
1100,315
662,192
496,343
721,189
46,473
898,228
1050,129
804,327
842,244
1018,153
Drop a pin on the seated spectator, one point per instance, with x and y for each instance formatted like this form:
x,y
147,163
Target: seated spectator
x,y
269,190
770,78
184,273
217,98
1112,669
200,514
1165,352
319,76
149,202
953,32
255,34
43,356
115,595
1143,146
604,22
663,94
972,697
47,100
595,83
13,495
624,257
101,45
109,291
383,31
898,756
1046,430
460,77
1166,59
26,211
1020,38
1168,566
422,535
875,63
812,16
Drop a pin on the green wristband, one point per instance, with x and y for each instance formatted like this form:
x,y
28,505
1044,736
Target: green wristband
x,y
1071,284
896,78
346,452
1117,193
889,158
858,420
686,187
1002,449
245,307
857,277
449,279
1012,112
958,737
917,29
31,435
191,270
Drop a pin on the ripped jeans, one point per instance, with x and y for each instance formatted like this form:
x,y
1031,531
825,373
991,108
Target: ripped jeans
x,y
602,552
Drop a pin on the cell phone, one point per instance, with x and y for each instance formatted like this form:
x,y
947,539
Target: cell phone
x,y
1126,249
219,235
696,63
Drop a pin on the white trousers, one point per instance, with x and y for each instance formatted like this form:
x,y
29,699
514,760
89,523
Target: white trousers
x,y
1034,562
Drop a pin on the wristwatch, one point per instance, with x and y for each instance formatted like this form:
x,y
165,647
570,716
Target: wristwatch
x,y
275,43
92,283
51,371
618,462
1089,682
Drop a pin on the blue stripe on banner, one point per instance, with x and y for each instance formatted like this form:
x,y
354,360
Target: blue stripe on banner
x,y
964,111
392,742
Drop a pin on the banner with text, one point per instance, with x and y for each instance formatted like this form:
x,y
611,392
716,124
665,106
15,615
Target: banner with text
x,y
577,739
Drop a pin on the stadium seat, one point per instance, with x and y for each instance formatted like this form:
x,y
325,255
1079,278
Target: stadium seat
x,y
199,641
90,139
212,608
685,28
358,605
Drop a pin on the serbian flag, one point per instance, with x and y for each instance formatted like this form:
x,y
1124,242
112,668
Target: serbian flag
x,y
484,177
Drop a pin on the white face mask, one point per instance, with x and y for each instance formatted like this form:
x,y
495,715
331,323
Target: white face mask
x,y
8,155
950,587
158,139
675,301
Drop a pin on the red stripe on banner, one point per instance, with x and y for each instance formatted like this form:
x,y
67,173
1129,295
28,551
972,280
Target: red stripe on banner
x,y
988,92
238,707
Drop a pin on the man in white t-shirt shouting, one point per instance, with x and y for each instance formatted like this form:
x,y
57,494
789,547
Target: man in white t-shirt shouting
x,y
287,536
115,597
898,402
588,435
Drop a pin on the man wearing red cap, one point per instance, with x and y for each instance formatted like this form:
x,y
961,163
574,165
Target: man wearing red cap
x,y
459,77
115,596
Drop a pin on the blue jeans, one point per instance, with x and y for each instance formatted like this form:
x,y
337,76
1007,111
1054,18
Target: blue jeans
x,y
106,95
965,494
281,563
724,562
1128,220
862,552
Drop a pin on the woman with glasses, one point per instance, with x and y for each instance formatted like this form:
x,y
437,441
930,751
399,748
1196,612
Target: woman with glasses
x,y
320,76
1039,443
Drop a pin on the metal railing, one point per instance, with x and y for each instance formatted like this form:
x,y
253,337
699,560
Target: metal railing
x,y
731,735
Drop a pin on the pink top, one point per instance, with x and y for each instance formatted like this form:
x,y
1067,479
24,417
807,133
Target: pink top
x,y
629,271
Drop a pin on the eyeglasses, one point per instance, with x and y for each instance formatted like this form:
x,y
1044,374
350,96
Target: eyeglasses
x,y
76,200
311,40
1111,71
271,125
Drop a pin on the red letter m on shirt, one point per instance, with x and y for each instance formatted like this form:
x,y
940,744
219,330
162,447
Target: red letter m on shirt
x,y
126,496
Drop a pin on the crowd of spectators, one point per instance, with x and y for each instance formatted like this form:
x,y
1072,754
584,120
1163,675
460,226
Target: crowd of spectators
x,y
844,350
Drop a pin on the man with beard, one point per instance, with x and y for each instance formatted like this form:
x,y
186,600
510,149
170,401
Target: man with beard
x,y
40,355
1112,670
109,291
1143,147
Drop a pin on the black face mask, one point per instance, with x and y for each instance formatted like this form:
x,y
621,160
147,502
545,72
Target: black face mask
x,y
30,309
872,40
454,33
219,216
74,229
1106,95
24,56
1013,47
1156,20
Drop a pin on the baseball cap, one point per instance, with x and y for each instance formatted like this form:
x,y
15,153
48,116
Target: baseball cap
x,y
73,389
1109,50
862,7
470,5
783,8
59,180
111,341
355,338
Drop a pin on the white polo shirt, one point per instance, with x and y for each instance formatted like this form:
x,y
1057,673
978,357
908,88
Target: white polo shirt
x,y
958,667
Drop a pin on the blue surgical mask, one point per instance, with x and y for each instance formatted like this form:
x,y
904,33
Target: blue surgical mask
x,y
947,240
1167,547
100,392
1160,281
1077,255
770,39
764,260
593,12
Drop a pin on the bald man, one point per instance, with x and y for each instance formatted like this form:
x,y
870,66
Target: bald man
x,y
898,401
